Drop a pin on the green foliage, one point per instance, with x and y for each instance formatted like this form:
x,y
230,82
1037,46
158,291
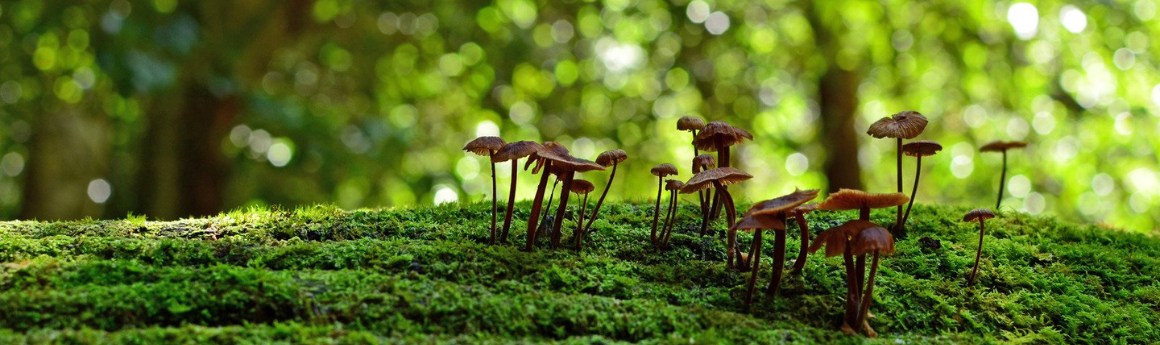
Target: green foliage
x,y
323,275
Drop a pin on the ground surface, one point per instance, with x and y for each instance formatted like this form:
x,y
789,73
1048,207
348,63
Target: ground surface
x,y
322,275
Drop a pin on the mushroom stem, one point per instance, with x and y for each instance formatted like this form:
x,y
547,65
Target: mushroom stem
x,y
805,232
901,226
667,230
731,213
704,220
534,218
494,202
852,297
600,202
778,262
1002,181
657,209
864,213
898,216
869,296
722,162
579,235
562,209
507,218
860,273
755,258
978,254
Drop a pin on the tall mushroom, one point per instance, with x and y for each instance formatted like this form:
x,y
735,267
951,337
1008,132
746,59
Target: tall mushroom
x,y
719,178
757,223
660,171
606,158
1002,146
513,152
568,168
981,215
903,125
838,241
850,199
487,146
877,241
804,227
543,158
719,136
673,186
780,208
916,149
702,162
582,187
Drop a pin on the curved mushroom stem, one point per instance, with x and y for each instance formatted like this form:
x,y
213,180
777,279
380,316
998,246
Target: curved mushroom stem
x,y
511,203
494,202
657,210
868,297
978,254
562,209
702,195
579,235
778,262
755,258
705,220
600,202
670,216
852,297
1002,181
722,162
731,213
901,226
805,232
860,267
534,218
898,217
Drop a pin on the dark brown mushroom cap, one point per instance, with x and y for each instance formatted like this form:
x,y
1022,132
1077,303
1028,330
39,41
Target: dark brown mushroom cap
x,y
921,148
516,150
1002,146
690,123
484,146
873,239
552,151
704,161
722,133
978,214
673,184
906,125
783,204
759,221
608,158
704,179
662,170
852,199
834,239
807,208
580,186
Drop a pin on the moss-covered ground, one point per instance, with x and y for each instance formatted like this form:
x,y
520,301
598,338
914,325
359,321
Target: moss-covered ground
x,y
323,275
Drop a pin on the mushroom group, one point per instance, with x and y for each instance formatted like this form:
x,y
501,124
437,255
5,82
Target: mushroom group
x,y
513,152
779,209
719,178
903,125
673,186
719,136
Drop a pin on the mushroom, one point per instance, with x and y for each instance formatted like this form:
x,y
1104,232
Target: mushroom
x,y
613,158
849,199
691,124
903,125
487,146
1002,146
981,215
719,136
779,208
804,227
513,152
548,153
757,223
673,186
877,241
701,162
582,187
660,171
838,241
719,178
568,168
917,149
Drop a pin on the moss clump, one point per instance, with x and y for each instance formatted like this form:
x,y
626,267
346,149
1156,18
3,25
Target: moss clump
x,y
323,275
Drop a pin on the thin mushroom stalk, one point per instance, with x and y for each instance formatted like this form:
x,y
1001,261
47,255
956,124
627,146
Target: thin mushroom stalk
x,y
898,216
778,259
1002,181
917,174
537,204
507,218
868,297
978,254
657,210
722,162
547,206
756,259
494,203
600,202
804,228
667,230
580,224
731,213
853,299
562,209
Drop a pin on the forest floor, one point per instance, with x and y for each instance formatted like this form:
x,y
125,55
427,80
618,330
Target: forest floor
x,y
321,275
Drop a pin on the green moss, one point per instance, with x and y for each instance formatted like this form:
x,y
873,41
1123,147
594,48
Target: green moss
x,y
323,275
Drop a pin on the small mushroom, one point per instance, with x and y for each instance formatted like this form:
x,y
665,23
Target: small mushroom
x,y
780,208
877,241
917,149
543,158
981,215
1002,146
487,146
660,171
568,168
903,125
513,152
804,228
691,124
673,186
719,178
582,187
607,158
838,241
757,223
719,136
850,199
702,162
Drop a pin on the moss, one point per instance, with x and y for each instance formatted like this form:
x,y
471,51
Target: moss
x,y
323,275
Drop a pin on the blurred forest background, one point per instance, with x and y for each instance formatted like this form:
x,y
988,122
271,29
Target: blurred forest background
x,y
176,108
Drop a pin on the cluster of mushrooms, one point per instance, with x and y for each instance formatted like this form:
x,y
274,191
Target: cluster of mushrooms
x,y
856,240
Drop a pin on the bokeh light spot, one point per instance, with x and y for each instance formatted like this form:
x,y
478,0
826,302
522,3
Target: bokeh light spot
x,y
1024,18
99,190
1019,186
797,164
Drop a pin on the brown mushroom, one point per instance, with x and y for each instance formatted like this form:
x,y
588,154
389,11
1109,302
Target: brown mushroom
x,y
981,215
780,208
757,223
513,152
877,241
660,171
719,178
903,125
702,162
838,241
1002,146
613,158
917,149
568,168
673,186
804,228
719,136
544,157
487,146
691,124
582,187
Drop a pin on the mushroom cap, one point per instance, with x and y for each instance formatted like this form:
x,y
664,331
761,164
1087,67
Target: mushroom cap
x,y
611,157
662,170
690,123
806,208
852,199
719,133
906,125
783,204
1002,146
978,214
873,239
577,165
759,221
673,184
704,161
704,179
552,151
921,148
580,186
484,146
834,239
516,150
